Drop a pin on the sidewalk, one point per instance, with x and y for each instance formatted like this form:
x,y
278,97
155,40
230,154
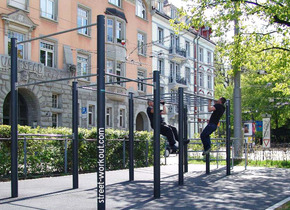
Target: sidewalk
x,y
255,188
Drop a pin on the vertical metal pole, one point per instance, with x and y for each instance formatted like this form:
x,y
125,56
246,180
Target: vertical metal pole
x,y
228,137
147,151
75,134
185,138
131,137
156,125
207,160
180,135
14,120
101,164
124,151
65,155
25,156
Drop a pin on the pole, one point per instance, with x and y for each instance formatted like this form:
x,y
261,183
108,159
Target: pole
x,y
131,137
180,136
14,120
75,134
237,97
228,137
185,139
156,125
207,163
101,164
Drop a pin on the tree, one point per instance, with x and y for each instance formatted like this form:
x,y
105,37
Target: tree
x,y
260,41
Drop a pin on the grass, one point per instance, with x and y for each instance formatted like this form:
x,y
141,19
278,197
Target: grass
x,y
257,163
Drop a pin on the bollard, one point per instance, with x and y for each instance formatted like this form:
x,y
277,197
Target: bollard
x,y
65,156
25,156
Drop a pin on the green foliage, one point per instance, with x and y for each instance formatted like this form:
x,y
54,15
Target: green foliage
x,y
46,156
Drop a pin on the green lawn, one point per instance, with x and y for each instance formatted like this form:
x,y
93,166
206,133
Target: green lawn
x,y
258,163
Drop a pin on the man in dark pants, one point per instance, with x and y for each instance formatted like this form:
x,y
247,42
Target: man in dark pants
x,y
166,130
218,110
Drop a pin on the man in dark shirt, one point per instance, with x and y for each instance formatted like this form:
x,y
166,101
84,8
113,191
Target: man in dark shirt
x,y
166,130
218,110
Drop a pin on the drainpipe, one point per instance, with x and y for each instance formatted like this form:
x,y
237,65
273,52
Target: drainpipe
x,y
197,37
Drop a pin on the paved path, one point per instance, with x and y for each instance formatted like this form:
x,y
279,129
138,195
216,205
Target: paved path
x,y
255,188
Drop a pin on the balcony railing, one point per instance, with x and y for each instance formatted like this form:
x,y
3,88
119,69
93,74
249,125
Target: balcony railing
x,y
178,51
179,80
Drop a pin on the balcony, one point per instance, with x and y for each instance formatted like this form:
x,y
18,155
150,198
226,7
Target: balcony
x,y
177,54
118,89
176,82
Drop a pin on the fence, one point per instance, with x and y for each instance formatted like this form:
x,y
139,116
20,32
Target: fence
x,y
35,154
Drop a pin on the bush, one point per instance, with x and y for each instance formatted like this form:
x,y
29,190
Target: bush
x,y
46,156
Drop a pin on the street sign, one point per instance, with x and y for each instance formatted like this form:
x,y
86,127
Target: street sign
x,y
84,110
266,132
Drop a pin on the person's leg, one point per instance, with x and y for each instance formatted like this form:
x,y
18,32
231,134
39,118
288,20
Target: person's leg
x,y
174,130
166,131
205,135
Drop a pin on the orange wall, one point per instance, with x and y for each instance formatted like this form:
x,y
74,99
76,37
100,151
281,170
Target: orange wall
x,y
67,19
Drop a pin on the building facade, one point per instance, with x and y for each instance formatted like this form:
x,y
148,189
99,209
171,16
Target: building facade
x,y
184,60
128,30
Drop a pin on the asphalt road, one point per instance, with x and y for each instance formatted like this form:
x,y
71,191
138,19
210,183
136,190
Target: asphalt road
x,y
254,188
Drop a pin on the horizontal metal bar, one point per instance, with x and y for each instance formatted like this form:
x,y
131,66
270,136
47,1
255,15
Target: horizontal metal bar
x,y
57,33
49,135
131,80
56,80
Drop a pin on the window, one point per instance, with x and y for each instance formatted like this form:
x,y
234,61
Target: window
x,y
162,91
119,31
201,54
48,9
118,70
116,2
20,4
83,65
55,102
209,82
209,57
47,53
83,19
140,9
118,73
54,118
122,118
117,35
201,79
187,47
171,40
171,72
91,115
109,117
201,108
187,73
110,35
161,66
141,76
160,6
20,47
141,44
110,65
173,13
160,36
177,71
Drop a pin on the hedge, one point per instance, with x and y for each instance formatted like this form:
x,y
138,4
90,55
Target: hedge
x,y
46,157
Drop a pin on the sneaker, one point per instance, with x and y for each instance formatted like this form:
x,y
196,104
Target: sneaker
x,y
206,151
173,148
186,141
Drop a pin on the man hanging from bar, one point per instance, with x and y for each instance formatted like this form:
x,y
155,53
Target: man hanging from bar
x,y
169,131
218,109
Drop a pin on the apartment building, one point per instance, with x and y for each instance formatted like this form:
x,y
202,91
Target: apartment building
x,y
184,60
128,30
